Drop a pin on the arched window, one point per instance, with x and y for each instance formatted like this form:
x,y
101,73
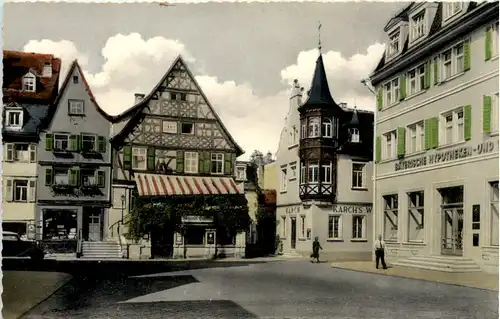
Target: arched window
x,y
327,128
354,135
314,127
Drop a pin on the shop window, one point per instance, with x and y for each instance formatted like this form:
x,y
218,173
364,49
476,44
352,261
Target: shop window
x,y
225,239
195,236
416,216
494,213
59,224
391,217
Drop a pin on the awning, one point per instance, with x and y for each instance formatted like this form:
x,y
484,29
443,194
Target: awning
x,y
165,185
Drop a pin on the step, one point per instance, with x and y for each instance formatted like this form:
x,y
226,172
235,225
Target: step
x,y
438,265
436,268
443,261
89,253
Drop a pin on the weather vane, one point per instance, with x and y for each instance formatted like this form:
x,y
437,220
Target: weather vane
x,y
319,36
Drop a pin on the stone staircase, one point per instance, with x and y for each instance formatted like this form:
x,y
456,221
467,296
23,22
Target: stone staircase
x,y
109,249
452,264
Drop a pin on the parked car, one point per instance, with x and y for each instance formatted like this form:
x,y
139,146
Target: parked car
x,y
13,246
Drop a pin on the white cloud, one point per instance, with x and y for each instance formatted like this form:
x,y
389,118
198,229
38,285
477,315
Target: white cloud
x,y
135,65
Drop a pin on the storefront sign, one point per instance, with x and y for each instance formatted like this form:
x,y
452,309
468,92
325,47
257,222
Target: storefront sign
x,y
352,209
196,219
292,210
446,156
210,238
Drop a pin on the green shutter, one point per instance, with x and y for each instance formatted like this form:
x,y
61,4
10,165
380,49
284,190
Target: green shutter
x,y
467,56
487,45
207,162
467,122
151,158
49,176
180,162
73,177
127,157
73,142
427,129
402,88
379,99
436,72
49,142
401,141
101,144
227,164
427,75
201,161
378,149
434,132
101,179
79,143
486,114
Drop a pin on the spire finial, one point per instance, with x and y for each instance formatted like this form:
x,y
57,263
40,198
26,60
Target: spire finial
x,y
319,36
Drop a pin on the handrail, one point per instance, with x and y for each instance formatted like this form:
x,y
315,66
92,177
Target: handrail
x,y
118,222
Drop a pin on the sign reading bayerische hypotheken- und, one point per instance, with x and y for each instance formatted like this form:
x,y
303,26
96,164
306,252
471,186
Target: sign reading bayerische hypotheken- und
x,y
446,156
352,209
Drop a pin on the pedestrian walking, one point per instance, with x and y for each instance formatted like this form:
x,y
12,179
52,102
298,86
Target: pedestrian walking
x,y
316,248
379,252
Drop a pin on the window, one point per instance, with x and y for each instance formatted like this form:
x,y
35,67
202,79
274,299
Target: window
x,y
494,113
358,227
302,226
283,226
415,138
391,92
61,142
313,127
451,8
20,152
327,128
173,96
76,107
20,190
88,143
14,118
453,126
358,170
187,128
240,173
191,162
354,135
61,176
293,172
494,39
169,127
416,216
394,43
139,157
303,131
418,26
313,172
391,217
75,79
183,96
217,161
494,213
452,61
326,172
283,179
88,177
416,80
29,83
390,145
335,227
302,173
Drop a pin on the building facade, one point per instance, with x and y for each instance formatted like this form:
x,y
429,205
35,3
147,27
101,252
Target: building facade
x,y
74,165
172,143
436,176
324,167
30,86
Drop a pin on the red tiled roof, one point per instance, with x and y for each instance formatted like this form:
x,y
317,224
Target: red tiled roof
x,y
16,64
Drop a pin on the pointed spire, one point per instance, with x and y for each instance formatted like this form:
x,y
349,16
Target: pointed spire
x,y
319,37
320,91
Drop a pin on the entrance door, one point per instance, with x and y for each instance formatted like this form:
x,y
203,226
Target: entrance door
x,y
95,226
452,228
294,233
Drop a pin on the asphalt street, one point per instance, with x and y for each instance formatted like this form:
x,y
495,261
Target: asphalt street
x,y
278,289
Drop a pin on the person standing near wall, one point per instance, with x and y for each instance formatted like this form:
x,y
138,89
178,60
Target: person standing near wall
x,y
316,248
380,252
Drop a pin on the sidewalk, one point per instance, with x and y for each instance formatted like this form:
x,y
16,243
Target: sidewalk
x,y
23,290
479,280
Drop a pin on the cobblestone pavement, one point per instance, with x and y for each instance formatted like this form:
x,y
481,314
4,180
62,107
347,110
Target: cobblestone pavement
x,y
284,289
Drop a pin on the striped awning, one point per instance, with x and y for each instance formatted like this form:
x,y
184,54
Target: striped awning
x,y
165,185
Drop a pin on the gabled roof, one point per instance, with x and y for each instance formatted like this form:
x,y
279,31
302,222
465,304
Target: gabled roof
x,y
17,64
135,112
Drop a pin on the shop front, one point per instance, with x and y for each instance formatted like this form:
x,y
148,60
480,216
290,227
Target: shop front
x,y
59,229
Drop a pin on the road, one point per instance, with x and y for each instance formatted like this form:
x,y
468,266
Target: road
x,y
278,289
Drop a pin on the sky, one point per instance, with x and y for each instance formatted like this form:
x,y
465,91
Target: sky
x,y
245,56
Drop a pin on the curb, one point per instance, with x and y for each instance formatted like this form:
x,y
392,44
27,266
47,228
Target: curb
x,y
422,279
63,283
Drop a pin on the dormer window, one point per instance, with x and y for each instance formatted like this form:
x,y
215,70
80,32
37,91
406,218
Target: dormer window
x,y
417,29
394,43
354,135
29,83
450,9
14,118
313,127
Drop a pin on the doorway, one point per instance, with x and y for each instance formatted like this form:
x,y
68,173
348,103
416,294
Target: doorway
x,y
293,236
95,226
452,221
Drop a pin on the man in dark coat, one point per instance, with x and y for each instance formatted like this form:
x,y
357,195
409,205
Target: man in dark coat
x,y
316,248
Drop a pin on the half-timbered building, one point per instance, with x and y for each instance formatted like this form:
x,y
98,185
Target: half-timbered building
x,y
325,163
172,143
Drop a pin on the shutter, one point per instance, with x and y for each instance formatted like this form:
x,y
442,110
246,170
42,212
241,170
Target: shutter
x,y
427,129
427,76
72,177
401,141
486,114
227,164
467,122
151,158
9,192
101,179
467,56
32,191
73,142
101,144
207,164
379,99
378,149
49,142
180,162
487,44
9,152
233,163
436,71
402,88
79,142
33,153
127,157
434,132
49,176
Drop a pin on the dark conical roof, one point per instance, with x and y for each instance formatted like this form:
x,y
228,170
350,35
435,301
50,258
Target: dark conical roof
x,y
319,94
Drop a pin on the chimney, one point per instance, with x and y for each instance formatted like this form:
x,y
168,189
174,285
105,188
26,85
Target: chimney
x,y
139,97
47,70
